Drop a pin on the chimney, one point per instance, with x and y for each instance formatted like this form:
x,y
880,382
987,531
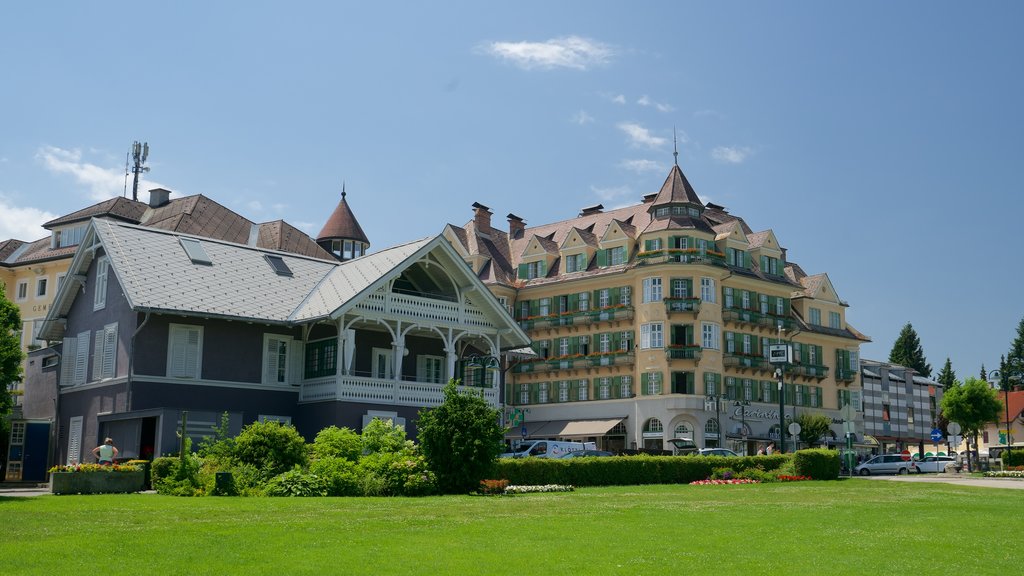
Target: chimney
x,y
590,210
482,218
516,226
158,197
648,198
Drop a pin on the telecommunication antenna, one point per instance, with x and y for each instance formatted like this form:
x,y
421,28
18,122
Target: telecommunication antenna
x,y
139,154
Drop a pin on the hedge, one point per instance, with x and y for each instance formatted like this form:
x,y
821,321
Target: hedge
x,y
625,470
1014,457
818,463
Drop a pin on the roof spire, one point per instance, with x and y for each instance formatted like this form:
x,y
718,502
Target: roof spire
x,y
675,148
342,189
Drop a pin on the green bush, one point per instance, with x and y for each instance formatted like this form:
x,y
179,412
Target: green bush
x,y
249,480
271,447
221,445
627,470
181,478
162,468
402,473
1014,457
383,436
334,442
818,463
340,475
295,482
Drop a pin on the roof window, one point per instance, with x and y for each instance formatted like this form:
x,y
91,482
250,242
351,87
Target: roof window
x,y
196,252
278,264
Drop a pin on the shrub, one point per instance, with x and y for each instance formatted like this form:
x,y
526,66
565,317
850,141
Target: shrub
x,y
295,482
383,436
249,480
402,473
339,474
492,487
818,463
182,478
756,474
460,439
271,447
1013,458
162,467
220,446
334,442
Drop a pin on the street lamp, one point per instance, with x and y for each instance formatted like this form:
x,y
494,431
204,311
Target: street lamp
x,y
1005,385
487,363
718,423
742,404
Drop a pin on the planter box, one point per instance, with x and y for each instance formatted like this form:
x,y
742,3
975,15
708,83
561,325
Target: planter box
x,y
97,482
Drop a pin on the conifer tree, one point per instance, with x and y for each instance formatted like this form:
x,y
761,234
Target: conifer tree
x,y
1014,373
947,377
907,351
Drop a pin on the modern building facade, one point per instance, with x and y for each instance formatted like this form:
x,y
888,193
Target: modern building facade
x,y
901,408
654,321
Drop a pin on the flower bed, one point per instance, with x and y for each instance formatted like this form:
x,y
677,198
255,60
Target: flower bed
x,y
538,489
788,478
710,482
1005,474
96,479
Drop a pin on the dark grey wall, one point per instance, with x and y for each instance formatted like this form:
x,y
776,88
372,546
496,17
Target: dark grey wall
x,y
314,417
40,385
87,403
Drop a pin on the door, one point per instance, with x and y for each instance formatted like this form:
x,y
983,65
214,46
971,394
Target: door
x,y
383,363
37,447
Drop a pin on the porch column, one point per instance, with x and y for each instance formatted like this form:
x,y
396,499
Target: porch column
x,y
399,350
350,350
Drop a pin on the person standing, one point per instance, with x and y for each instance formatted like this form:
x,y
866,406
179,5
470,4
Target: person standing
x,y
770,449
106,452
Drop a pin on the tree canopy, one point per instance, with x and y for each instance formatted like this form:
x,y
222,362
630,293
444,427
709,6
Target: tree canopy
x,y
947,377
813,427
973,404
907,351
10,352
1014,371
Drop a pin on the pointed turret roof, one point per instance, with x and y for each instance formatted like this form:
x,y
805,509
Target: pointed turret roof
x,y
342,224
676,190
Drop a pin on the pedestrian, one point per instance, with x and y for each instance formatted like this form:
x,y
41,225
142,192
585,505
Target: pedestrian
x,y
770,449
760,451
106,452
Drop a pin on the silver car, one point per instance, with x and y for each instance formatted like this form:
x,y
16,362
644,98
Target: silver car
x,y
931,464
884,464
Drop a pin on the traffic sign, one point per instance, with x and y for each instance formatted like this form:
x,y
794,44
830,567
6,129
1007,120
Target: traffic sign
x,y
954,428
936,435
905,455
779,354
954,439
794,428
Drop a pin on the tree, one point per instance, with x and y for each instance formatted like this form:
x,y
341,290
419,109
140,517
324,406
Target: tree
x,y
10,353
383,436
947,377
983,375
461,439
1015,358
907,351
813,427
972,404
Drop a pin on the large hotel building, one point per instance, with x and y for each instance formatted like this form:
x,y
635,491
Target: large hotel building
x,y
653,321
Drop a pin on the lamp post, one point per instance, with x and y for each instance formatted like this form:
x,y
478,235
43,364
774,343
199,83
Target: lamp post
x,y
780,373
714,398
742,404
1005,385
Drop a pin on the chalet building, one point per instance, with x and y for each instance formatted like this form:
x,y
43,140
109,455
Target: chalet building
x,y
154,323
654,321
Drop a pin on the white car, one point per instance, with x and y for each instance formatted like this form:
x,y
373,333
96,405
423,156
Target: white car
x,y
931,464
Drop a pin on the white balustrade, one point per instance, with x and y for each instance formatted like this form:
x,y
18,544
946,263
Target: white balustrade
x,y
380,391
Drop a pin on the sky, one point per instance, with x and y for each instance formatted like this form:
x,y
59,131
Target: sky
x,y
880,141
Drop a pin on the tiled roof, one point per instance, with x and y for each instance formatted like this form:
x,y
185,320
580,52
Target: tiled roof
x,y
676,190
40,251
7,247
120,207
757,239
280,235
1016,405
342,224
199,216
587,236
679,223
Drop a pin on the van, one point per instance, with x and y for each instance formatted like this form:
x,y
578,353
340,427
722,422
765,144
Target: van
x,y
547,449
884,464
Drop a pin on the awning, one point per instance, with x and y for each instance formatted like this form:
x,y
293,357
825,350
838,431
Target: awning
x,y
564,428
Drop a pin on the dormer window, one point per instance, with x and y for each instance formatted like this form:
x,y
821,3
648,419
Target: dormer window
x,y
661,212
65,237
531,270
576,263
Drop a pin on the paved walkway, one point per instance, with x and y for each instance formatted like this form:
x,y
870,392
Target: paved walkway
x,y
961,479
24,491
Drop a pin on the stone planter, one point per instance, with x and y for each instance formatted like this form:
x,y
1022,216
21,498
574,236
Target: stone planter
x,y
97,482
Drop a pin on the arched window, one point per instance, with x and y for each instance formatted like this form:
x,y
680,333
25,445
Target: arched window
x,y
683,430
711,435
773,432
653,435
654,425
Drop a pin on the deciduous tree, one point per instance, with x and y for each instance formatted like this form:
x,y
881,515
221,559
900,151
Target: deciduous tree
x,y
973,405
813,427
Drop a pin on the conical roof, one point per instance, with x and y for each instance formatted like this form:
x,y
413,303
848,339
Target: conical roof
x,y
342,224
676,190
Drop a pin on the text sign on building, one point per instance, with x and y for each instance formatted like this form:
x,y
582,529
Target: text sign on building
x,y
779,354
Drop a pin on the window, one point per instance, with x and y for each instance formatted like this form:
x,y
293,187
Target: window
x,y
618,255
626,387
582,390
730,343
100,295
604,343
195,251
727,292
60,279
766,390
604,386
563,391
74,440
854,360
764,303
531,270
799,396
584,345
347,250
584,301
542,393
654,244
683,431
747,346
652,290
524,309
680,289
278,264
273,418
625,341
748,389
524,394
707,289
711,434
780,307
576,263
104,357
652,335
626,295
75,352
661,212
815,316
185,351
710,336
563,304
321,358
430,369
652,383
711,381
41,287
275,358
834,321
22,291
812,355
544,307
745,299
814,397
603,297
563,346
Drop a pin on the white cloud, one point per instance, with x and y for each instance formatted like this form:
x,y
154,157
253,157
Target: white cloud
x,y
646,101
582,118
613,193
103,183
730,154
641,166
569,52
640,136
23,223
619,99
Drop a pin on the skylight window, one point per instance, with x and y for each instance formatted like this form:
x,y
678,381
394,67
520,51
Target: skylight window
x,y
195,251
278,264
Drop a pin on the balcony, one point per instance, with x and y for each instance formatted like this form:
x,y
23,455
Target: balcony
x,y
846,374
743,362
773,322
809,371
682,256
619,358
741,316
611,359
381,391
683,352
673,305
576,318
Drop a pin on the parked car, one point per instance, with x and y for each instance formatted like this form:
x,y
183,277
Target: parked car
x,y
683,446
585,453
716,452
931,464
884,464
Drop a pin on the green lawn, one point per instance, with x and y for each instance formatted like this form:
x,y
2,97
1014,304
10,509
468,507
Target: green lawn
x,y
845,527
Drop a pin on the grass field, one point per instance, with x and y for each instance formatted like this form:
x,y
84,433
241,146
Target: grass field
x,y
845,527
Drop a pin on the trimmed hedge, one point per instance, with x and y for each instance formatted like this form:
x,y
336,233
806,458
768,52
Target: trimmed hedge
x,y
625,470
818,463
1014,458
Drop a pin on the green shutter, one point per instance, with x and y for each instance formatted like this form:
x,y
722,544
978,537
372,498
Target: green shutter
x,y
615,296
602,258
542,269
523,273
644,377
573,302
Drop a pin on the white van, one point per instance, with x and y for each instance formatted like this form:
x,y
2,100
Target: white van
x,y
547,449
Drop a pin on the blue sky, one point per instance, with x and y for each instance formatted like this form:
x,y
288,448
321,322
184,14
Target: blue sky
x,y
879,140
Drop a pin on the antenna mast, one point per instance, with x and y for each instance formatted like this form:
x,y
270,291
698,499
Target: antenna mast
x,y
139,154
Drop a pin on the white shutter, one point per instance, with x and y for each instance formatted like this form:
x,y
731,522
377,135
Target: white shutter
x,y
295,362
100,296
74,440
97,355
82,357
185,351
421,369
109,351
269,360
67,362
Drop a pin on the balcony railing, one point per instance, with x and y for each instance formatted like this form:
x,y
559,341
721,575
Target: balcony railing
x,y
683,352
682,256
381,391
577,317
682,305
846,374
809,371
743,361
741,316
620,358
